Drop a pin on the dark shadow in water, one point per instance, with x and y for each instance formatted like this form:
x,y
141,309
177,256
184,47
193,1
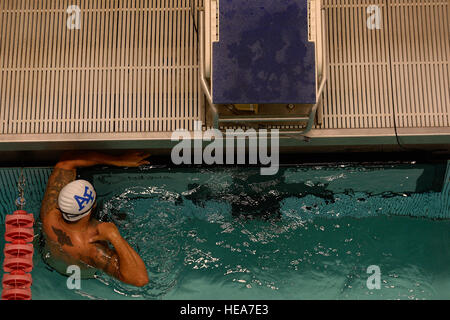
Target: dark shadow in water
x,y
254,196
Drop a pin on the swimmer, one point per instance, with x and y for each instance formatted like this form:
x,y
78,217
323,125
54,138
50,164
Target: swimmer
x,y
68,226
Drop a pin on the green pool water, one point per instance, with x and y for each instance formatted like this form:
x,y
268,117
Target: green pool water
x,y
309,232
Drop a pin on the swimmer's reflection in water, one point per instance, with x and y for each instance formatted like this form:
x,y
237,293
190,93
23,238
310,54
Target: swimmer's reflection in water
x,y
71,234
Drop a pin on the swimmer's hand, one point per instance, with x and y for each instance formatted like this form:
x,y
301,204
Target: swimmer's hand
x,y
106,231
132,159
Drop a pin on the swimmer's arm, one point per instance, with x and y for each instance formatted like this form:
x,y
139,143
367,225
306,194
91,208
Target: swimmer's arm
x,y
104,258
73,160
65,172
57,180
123,262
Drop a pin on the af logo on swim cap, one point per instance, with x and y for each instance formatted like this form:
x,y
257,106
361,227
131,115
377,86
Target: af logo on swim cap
x,y
76,199
84,200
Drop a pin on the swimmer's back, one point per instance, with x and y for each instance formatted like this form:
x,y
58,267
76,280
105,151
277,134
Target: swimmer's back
x,y
57,259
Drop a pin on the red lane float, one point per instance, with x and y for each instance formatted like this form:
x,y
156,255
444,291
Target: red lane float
x,y
16,294
17,279
18,248
20,218
19,233
13,264
18,253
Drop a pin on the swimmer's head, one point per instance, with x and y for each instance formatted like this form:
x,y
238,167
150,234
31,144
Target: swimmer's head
x,y
76,200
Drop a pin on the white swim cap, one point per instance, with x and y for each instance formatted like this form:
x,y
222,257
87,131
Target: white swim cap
x,y
76,200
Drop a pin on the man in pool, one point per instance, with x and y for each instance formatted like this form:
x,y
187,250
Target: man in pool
x,y
72,236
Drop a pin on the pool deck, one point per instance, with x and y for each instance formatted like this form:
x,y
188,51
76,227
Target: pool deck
x,y
67,89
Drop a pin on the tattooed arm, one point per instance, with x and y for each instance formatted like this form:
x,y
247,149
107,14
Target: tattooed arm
x,y
104,258
58,179
88,159
123,262
65,172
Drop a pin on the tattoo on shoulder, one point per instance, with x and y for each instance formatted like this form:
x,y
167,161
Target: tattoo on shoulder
x,y
63,238
58,179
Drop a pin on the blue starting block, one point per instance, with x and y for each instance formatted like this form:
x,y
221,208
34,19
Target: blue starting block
x,y
263,54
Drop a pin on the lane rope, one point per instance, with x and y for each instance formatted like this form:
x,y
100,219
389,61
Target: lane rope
x,y
18,251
